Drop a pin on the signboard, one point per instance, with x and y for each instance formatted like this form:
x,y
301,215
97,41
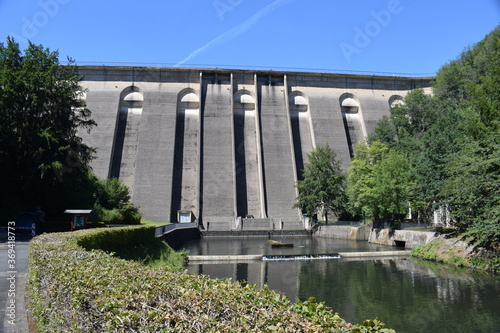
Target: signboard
x,y
184,217
78,217
78,221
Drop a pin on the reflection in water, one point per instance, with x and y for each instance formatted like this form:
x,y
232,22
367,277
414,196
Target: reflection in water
x,y
406,294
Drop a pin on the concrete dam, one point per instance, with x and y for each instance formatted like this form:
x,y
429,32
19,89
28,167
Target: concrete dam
x,y
226,147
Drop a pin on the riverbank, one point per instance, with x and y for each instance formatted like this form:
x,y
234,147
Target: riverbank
x,y
428,245
459,253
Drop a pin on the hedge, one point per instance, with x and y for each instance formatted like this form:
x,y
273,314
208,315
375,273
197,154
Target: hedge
x,y
75,286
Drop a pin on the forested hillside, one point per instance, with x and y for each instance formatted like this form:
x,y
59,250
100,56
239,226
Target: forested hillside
x,y
451,140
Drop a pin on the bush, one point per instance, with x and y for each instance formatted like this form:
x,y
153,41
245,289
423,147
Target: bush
x,y
112,203
75,286
130,214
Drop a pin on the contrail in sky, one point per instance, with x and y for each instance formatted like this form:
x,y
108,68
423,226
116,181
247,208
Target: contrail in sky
x,y
238,30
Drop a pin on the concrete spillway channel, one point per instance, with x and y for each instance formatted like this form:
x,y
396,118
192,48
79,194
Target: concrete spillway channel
x,y
340,255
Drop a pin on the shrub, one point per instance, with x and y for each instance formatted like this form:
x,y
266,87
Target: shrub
x,y
112,203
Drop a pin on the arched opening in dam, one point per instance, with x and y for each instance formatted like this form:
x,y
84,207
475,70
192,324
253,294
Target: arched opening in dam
x,y
353,120
246,141
302,130
125,146
186,154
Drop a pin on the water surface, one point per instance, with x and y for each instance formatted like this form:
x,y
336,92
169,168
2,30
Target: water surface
x,y
406,294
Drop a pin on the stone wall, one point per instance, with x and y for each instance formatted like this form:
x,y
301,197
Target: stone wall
x,y
343,232
407,238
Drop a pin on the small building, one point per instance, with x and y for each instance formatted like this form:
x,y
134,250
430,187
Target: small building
x,y
78,217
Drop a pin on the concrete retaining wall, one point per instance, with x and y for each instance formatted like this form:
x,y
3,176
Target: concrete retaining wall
x,y
177,237
407,238
343,232
410,239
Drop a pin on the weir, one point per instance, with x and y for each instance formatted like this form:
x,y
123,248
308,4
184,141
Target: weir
x,y
367,255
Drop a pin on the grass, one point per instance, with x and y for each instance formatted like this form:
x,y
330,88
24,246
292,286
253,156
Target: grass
x,y
153,223
438,250
155,253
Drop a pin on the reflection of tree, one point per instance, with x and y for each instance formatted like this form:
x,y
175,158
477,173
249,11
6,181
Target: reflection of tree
x,y
404,295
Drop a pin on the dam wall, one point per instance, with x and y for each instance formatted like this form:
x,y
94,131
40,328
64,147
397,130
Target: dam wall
x,y
227,144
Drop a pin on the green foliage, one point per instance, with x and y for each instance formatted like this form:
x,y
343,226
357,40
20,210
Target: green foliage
x,y
427,251
41,111
112,203
114,239
379,183
452,142
324,184
74,290
385,131
47,162
323,314
415,116
112,193
475,257
135,243
473,190
392,184
439,250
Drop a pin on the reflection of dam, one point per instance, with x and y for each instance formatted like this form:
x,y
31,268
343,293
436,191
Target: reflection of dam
x,y
390,289
227,144
281,275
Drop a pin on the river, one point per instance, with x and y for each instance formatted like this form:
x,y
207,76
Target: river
x,y
406,294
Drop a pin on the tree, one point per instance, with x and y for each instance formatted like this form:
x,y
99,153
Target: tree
x,y
413,117
385,131
361,179
112,203
378,181
391,184
473,190
324,184
41,111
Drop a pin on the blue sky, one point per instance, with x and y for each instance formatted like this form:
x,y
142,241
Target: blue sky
x,y
393,36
